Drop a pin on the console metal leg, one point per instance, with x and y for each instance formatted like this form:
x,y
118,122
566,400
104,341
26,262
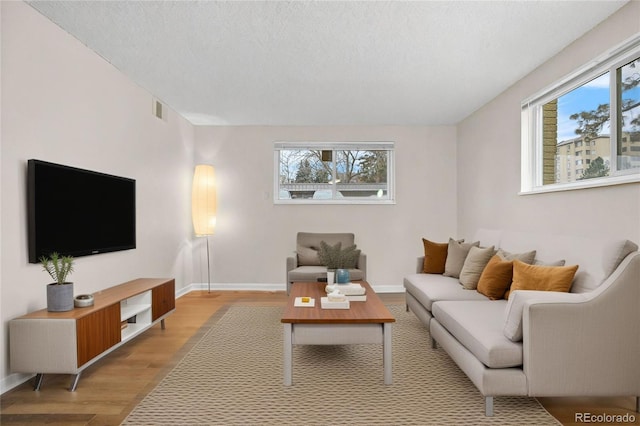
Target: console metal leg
x,y
38,382
162,323
488,406
74,382
638,404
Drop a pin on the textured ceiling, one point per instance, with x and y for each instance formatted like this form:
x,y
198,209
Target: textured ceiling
x,y
326,63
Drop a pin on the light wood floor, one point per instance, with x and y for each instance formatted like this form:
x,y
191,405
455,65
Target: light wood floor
x,y
109,389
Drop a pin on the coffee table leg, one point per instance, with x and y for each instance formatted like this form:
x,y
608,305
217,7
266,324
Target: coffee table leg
x,y
288,354
386,353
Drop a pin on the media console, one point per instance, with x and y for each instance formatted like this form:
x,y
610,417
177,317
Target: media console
x,y
68,342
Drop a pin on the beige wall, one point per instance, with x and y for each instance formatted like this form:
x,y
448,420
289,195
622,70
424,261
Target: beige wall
x,y
254,236
489,158
63,103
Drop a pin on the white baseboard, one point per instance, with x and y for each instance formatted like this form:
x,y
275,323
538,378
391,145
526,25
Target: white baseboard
x,y
269,287
13,380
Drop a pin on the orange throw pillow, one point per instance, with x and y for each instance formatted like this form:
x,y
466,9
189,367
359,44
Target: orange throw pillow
x,y
435,257
545,278
496,278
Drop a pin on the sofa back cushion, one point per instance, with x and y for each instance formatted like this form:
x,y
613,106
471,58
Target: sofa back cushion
x,y
614,253
586,251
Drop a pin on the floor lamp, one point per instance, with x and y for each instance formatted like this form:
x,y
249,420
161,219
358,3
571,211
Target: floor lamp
x,y
203,206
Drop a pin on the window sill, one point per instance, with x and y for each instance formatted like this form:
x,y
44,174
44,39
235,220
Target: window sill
x,y
342,202
584,184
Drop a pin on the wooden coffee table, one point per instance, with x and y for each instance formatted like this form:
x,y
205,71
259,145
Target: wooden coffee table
x,y
363,322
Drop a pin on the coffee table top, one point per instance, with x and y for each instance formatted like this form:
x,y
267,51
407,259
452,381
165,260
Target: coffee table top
x,y
371,311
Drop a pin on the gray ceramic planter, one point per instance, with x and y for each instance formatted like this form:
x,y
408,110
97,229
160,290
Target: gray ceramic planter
x,y
59,297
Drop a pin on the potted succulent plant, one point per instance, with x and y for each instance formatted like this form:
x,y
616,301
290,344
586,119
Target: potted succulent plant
x,y
60,292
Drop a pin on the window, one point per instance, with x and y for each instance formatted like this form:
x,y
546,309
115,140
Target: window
x,y
596,107
334,173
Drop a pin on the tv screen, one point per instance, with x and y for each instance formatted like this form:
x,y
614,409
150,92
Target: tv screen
x,y
78,212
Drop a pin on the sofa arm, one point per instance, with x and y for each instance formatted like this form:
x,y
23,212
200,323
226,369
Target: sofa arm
x,y
519,299
587,347
362,265
292,263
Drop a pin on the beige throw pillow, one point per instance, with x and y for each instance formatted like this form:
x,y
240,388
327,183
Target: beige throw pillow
x,y
456,255
473,266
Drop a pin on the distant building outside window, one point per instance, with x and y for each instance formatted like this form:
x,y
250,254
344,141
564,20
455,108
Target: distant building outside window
x,y
597,106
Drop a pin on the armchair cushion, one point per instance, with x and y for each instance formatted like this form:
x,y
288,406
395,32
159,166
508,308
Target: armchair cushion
x,y
307,273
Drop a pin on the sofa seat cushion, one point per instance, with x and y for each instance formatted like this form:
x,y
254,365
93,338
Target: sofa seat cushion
x,y
313,273
478,326
429,288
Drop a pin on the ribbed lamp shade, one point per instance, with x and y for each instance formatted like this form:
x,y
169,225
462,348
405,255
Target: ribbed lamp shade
x,y
203,200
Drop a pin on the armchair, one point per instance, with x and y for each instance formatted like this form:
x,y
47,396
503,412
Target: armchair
x,y
305,266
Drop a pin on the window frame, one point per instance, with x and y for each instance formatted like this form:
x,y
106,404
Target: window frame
x,y
531,122
387,146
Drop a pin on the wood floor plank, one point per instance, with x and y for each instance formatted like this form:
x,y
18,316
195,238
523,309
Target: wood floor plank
x,y
111,388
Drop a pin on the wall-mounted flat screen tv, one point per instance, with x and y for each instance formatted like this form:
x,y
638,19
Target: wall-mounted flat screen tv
x,y
78,212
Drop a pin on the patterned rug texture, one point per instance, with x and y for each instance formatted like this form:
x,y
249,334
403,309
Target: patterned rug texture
x,y
233,375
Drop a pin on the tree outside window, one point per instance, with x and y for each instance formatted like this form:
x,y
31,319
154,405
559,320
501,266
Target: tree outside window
x,y
346,172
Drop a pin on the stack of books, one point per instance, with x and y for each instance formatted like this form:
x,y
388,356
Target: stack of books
x,y
354,291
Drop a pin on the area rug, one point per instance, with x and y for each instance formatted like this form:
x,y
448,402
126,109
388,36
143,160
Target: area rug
x,y
233,375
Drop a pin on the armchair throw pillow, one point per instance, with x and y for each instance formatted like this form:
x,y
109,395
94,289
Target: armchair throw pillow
x,y
307,256
335,257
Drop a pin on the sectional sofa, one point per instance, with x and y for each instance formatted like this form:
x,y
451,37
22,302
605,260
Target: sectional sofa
x,y
584,342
